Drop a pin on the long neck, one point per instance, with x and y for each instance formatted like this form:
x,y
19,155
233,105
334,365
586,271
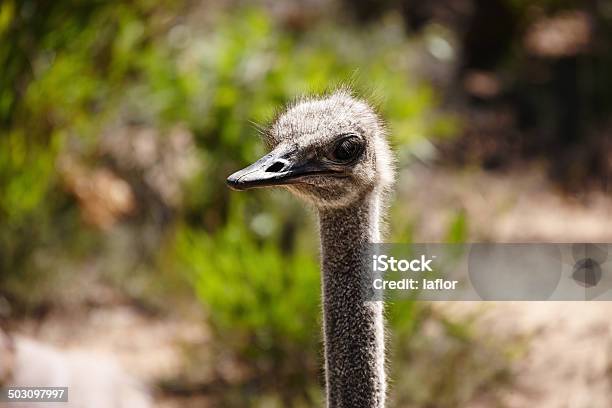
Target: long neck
x,y
353,325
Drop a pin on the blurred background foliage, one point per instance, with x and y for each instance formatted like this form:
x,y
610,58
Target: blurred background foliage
x,y
119,122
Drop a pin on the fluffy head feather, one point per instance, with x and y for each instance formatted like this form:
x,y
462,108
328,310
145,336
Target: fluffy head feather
x,y
313,127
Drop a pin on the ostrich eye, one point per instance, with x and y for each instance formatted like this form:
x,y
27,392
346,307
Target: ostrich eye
x,y
347,149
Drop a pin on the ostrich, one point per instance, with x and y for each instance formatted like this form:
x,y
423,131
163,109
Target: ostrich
x,y
332,152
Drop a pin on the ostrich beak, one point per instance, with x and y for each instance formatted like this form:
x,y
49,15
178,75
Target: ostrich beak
x,y
279,167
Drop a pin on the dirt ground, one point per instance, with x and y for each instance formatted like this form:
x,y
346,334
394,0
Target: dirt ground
x,y
569,358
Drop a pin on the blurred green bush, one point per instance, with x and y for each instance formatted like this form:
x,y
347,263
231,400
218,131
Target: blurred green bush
x,y
263,304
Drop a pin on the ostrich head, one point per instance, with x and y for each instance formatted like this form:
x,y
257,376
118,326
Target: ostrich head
x,y
330,151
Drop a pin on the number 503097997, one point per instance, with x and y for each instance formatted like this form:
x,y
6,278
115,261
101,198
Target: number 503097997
x,y
33,394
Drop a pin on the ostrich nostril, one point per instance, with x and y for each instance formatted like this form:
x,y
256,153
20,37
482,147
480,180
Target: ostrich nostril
x,y
276,167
